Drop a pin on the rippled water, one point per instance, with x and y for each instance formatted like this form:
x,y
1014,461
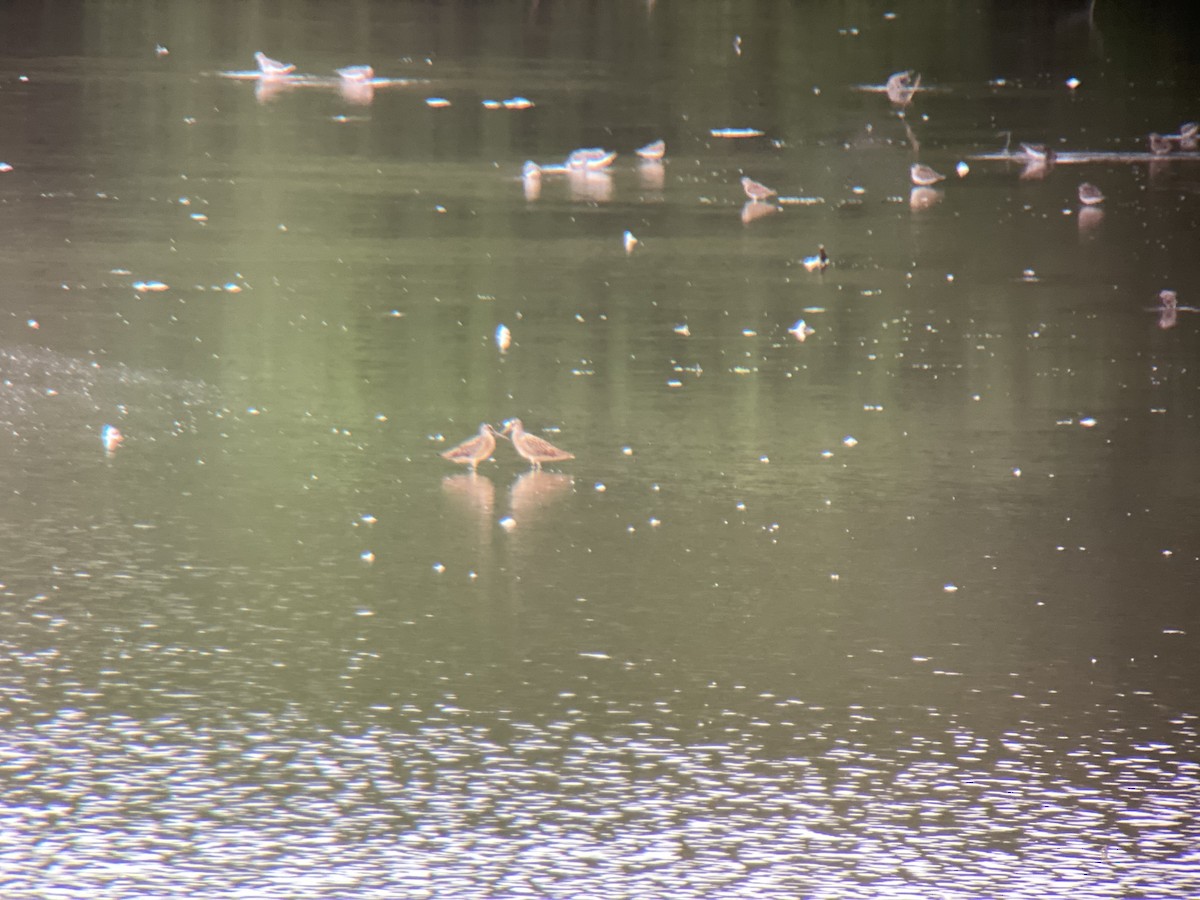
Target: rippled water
x,y
905,609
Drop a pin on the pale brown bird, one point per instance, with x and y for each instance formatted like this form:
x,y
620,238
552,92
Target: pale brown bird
x,y
473,451
1089,194
272,68
756,191
653,150
923,176
533,448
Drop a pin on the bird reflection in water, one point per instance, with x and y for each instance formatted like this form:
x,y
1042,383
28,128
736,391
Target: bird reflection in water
x,y
923,198
757,209
531,180
652,174
1090,218
474,493
589,185
535,489
360,93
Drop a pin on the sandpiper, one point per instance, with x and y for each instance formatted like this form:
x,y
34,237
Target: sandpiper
x,y
756,191
1089,194
272,68
590,158
356,74
654,150
923,176
533,448
473,451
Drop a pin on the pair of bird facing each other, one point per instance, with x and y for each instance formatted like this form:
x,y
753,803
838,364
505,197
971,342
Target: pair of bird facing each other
x,y
536,450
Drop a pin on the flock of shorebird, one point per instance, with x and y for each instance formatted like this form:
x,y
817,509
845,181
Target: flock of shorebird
x,y
532,448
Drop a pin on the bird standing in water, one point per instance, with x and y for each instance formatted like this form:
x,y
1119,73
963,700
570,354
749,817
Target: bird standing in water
x,y
923,176
756,191
473,451
1089,194
272,68
653,150
533,448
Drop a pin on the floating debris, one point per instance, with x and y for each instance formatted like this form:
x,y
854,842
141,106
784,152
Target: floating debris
x,y
630,242
962,169
683,330
1073,82
518,103
5,167
736,133
437,102
149,286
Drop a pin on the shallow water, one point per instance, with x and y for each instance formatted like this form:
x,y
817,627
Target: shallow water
x,y
902,610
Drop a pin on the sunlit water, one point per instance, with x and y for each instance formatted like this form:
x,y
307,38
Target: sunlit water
x,y
904,609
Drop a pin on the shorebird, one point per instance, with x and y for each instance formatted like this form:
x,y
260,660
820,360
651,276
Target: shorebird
x,y
653,150
473,451
1089,194
1037,152
533,448
272,68
923,176
901,88
1159,145
356,74
1168,300
756,191
1188,137
816,263
590,158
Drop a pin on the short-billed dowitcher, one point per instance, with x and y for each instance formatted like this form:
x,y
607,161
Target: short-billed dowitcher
x,y
756,191
473,451
533,448
272,68
923,176
1089,194
1159,145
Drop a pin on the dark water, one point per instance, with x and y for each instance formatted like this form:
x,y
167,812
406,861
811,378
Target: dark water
x,y
907,609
